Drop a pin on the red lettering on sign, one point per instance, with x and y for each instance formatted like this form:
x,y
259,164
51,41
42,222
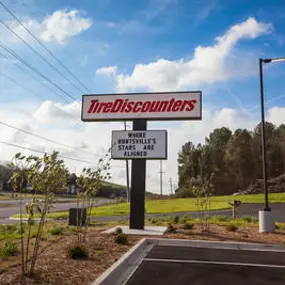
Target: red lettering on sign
x,y
127,106
177,106
116,106
136,107
93,103
191,105
145,106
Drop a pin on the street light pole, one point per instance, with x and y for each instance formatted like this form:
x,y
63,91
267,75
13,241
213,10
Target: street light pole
x,y
266,220
263,140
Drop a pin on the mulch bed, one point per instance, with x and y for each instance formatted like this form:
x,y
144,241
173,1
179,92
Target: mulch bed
x,y
219,233
55,267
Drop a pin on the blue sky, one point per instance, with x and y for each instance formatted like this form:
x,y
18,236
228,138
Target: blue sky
x,y
151,45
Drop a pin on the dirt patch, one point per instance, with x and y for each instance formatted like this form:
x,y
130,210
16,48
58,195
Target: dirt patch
x,y
55,267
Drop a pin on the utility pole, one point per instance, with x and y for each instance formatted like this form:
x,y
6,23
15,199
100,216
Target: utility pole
x,y
127,172
160,172
171,186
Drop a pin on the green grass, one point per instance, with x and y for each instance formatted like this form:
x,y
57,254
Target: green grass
x,y
175,205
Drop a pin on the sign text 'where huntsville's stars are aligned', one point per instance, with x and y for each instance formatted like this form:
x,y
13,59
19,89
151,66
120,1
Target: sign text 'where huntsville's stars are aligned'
x,y
139,144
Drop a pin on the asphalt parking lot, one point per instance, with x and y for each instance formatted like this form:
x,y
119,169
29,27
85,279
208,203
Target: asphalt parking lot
x,y
168,265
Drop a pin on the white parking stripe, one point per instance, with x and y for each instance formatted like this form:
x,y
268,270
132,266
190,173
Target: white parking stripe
x,y
214,262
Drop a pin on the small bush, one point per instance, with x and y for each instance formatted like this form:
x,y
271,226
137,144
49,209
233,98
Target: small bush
x,y
176,219
184,219
247,219
33,234
279,226
221,218
77,251
10,248
72,229
188,226
9,228
231,228
56,231
171,229
118,231
121,239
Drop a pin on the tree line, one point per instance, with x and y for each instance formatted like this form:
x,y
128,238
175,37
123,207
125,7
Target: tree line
x,y
231,161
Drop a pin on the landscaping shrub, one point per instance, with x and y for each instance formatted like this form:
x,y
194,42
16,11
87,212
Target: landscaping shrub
x,y
72,229
171,229
184,219
176,219
118,231
188,226
279,226
10,248
153,221
121,239
77,251
247,219
56,231
221,218
231,228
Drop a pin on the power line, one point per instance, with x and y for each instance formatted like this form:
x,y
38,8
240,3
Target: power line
x,y
34,134
35,78
40,56
17,83
13,53
43,46
42,152
46,139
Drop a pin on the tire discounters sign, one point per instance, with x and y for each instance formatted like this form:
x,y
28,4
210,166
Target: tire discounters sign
x,y
149,106
139,144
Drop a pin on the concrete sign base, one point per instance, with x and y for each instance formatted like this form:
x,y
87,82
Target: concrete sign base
x,y
147,231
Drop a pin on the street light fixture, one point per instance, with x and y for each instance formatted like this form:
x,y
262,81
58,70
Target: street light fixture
x,y
263,147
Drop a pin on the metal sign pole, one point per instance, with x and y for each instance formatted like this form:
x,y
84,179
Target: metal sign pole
x,y
137,207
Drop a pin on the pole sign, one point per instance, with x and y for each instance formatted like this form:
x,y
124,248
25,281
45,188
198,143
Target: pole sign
x,y
148,106
150,144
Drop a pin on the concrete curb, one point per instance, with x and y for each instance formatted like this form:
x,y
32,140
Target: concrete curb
x,y
26,219
218,244
121,270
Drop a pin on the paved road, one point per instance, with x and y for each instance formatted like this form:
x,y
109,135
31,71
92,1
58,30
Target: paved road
x,y
278,210
7,212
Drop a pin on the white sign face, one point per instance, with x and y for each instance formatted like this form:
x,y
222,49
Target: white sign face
x,y
139,144
149,106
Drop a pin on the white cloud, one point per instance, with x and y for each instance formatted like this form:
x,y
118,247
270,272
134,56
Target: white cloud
x,y
61,122
107,71
209,64
62,25
50,111
277,115
58,27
